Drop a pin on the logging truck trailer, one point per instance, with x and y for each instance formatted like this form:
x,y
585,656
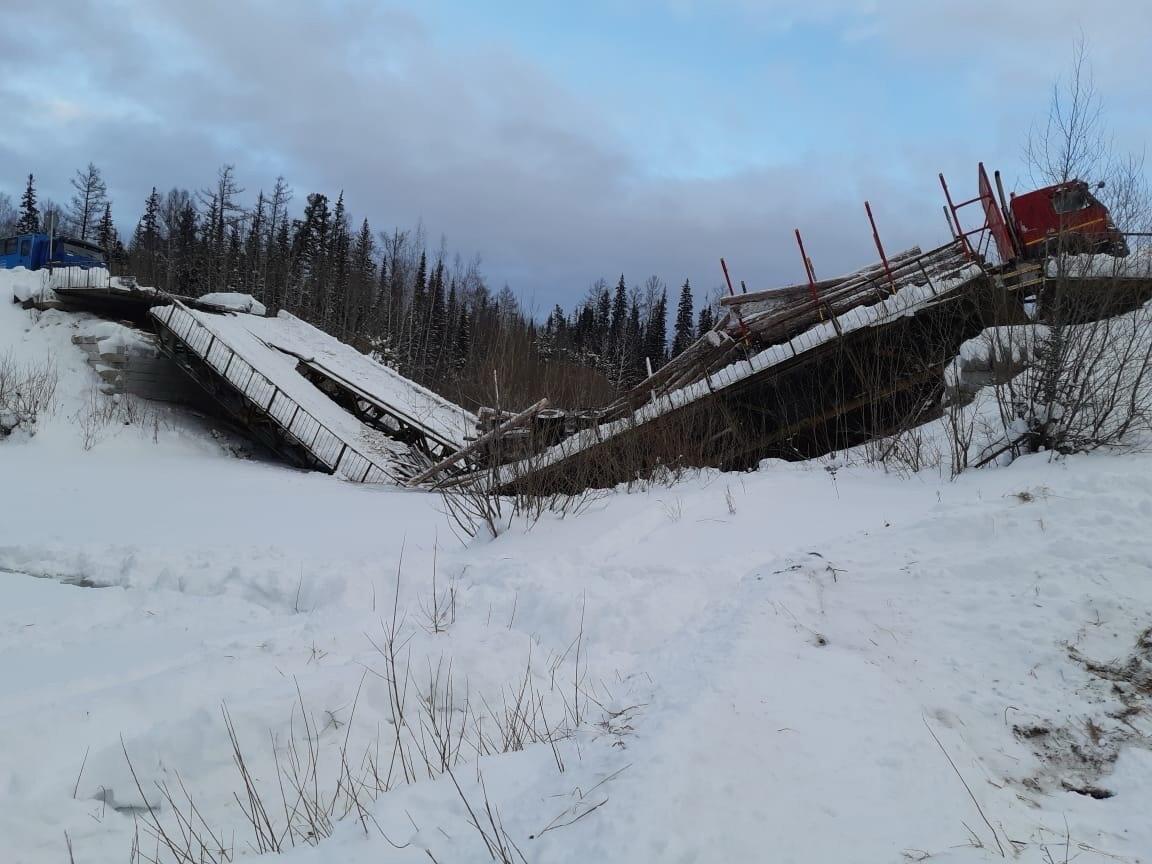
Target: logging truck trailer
x,y
1063,217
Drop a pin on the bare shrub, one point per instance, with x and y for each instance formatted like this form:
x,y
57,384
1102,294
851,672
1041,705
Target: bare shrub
x,y
440,610
1077,376
489,501
500,846
26,392
435,725
102,411
1088,385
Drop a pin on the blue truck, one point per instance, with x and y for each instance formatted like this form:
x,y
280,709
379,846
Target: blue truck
x,y
37,251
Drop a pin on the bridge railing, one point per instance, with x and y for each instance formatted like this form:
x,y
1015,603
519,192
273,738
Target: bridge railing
x,y
294,420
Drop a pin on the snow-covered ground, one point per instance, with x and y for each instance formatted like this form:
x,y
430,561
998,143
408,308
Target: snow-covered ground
x,y
798,664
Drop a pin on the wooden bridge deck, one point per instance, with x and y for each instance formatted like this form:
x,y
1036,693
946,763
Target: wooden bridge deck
x,y
261,389
790,376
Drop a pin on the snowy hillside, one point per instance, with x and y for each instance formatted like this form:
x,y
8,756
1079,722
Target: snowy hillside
x,y
809,663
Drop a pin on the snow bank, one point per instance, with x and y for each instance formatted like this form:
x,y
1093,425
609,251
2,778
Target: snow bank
x,y
113,338
1137,265
234,302
767,654
19,285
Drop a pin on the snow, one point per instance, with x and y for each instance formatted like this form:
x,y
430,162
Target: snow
x,y
234,302
276,345
764,658
25,284
1136,265
288,333
113,338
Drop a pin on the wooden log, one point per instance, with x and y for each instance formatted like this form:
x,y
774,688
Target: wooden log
x,y
853,277
854,291
774,293
523,416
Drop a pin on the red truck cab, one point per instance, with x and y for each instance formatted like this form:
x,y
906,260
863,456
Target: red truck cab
x,y
1068,211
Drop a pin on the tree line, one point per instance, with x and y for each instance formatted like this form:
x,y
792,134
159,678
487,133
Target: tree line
x,y
422,310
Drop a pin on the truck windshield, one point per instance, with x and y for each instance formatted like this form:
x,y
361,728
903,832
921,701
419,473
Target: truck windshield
x,y
1070,199
69,248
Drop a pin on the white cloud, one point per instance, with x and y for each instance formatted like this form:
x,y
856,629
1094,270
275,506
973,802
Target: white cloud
x,y
486,144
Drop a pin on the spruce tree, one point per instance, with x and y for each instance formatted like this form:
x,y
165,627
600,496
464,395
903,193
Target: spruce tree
x,y
361,279
451,324
603,320
619,316
29,222
414,341
463,341
633,360
235,260
656,332
705,321
684,333
254,250
436,322
186,275
106,236
335,311
146,239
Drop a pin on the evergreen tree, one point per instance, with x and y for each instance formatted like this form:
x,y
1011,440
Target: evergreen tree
x,y
254,249
148,228
417,312
362,277
208,254
235,260
632,358
106,236
29,222
339,250
586,339
146,239
656,333
187,276
437,320
451,325
226,213
600,343
309,257
684,332
274,265
705,322
463,341
619,316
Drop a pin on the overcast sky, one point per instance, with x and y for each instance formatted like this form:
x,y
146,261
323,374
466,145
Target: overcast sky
x,y
568,141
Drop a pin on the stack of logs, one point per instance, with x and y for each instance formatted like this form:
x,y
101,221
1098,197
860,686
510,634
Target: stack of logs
x,y
761,319
772,324
752,323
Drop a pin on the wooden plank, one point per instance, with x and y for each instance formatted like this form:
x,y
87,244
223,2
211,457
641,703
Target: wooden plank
x,y
511,423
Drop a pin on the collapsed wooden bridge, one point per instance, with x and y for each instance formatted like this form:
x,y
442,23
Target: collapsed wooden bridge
x,y
315,402
810,369
790,373
784,374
